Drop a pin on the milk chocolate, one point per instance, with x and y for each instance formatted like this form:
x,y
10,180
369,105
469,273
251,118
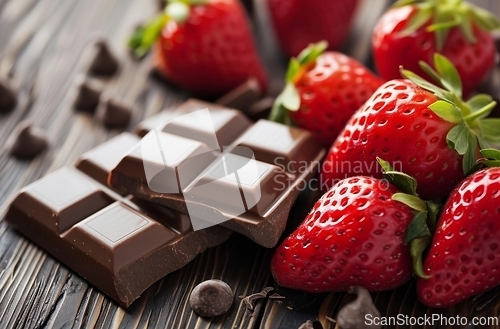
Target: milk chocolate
x,y
119,244
247,184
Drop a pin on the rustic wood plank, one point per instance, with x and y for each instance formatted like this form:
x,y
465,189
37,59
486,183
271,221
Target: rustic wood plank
x,y
53,38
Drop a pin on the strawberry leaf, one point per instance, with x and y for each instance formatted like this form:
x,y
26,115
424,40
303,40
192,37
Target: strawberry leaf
x,y
416,21
412,201
312,52
450,79
293,69
458,138
446,111
418,228
493,154
424,84
490,129
404,182
479,101
290,98
417,247
144,37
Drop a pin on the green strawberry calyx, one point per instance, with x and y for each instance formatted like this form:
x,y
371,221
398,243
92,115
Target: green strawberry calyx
x,y
446,14
419,233
289,99
145,36
472,128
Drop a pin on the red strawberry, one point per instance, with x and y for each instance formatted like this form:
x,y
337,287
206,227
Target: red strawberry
x,y
298,23
352,236
463,259
323,91
205,46
415,30
421,129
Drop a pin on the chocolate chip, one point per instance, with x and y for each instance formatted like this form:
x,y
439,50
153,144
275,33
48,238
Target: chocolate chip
x,y
211,298
114,114
8,96
105,62
27,141
352,315
88,95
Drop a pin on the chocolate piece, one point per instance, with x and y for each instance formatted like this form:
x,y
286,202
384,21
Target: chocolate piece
x,y
253,181
211,298
243,96
27,141
188,121
87,97
114,114
120,245
98,162
105,62
8,96
353,315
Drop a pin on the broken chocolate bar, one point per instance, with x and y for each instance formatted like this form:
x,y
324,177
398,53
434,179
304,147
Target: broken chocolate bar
x,y
119,244
215,166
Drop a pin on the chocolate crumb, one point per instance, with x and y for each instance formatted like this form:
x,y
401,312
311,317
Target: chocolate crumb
x,y
105,62
211,298
8,96
276,296
352,315
290,308
114,114
249,300
27,141
87,98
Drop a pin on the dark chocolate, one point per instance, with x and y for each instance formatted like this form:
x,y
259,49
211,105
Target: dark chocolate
x,y
253,181
8,96
211,298
105,62
114,114
353,315
88,94
27,141
98,162
120,245
243,96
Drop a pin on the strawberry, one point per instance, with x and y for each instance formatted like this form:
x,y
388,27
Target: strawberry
x,y
323,91
353,236
427,131
205,46
414,30
298,23
463,259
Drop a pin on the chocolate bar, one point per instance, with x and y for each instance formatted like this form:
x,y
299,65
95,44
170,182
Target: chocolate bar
x,y
220,169
119,244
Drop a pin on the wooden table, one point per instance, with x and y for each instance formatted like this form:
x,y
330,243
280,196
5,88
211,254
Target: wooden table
x,y
46,45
